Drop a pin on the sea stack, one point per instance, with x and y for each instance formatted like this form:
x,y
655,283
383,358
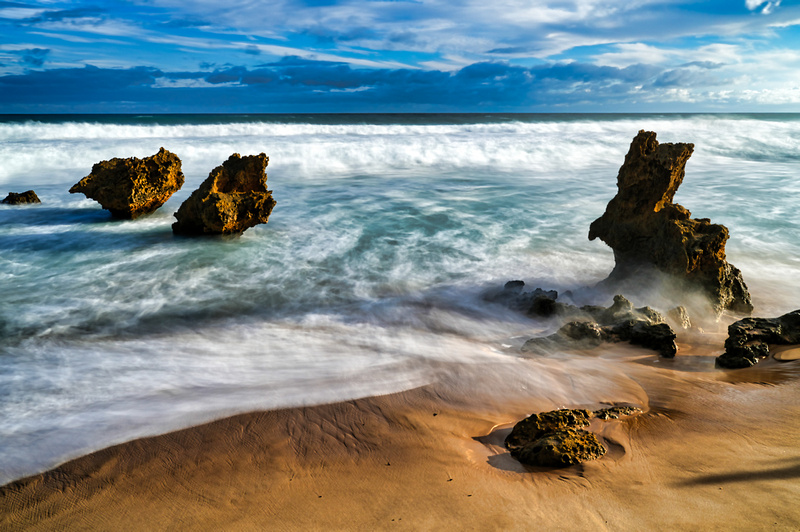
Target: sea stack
x,y
129,188
21,198
646,230
232,199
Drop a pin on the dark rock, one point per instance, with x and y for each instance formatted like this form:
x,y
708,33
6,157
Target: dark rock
x,y
645,229
232,199
129,188
22,198
560,449
749,339
620,322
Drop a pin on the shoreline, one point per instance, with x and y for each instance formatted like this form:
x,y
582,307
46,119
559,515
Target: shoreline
x,y
713,448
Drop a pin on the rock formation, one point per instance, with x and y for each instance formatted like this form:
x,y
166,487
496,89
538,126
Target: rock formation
x,y
749,339
22,198
590,325
232,199
556,438
645,229
129,188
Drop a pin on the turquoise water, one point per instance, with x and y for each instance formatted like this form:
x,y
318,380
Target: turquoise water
x,y
368,277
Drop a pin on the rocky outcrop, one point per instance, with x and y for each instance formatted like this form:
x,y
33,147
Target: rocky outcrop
x,y
22,198
590,325
749,339
647,230
129,188
556,438
232,199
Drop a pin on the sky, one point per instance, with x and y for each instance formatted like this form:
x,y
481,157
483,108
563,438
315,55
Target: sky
x,y
294,56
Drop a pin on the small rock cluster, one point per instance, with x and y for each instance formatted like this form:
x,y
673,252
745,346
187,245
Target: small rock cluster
x,y
557,438
590,325
749,339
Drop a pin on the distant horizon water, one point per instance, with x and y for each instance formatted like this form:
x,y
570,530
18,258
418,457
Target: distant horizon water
x,y
369,276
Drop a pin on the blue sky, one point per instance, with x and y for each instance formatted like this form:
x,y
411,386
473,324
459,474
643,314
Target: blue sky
x,y
399,56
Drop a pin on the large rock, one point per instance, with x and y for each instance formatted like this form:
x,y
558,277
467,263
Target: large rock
x,y
232,199
129,188
645,229
556,438
749,339
22,198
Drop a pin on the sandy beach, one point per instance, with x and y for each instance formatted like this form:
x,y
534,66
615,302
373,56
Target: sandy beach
x,y
713,450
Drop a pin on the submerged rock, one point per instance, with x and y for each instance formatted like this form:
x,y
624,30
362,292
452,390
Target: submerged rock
x,y
22,198
555,438
646,230
749,339
620,322
129,188
232,199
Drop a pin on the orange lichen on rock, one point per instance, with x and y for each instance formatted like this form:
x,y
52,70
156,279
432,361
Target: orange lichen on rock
x,y
129,188
232,199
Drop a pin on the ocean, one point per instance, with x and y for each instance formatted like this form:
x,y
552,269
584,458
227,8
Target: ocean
x,y
369,277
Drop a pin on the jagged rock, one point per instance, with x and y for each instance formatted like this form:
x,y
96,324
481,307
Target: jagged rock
x,y
618,323
129,188
749,339
646,230
232,199
680,317
555,438
22,198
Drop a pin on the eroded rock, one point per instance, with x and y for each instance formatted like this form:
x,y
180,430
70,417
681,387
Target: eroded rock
x,y
556,438
647,230
21,198
129,188
232,199
749,339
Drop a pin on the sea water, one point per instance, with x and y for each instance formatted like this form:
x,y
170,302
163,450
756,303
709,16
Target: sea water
x,y
369,277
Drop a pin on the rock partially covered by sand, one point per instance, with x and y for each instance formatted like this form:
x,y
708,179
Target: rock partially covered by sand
x,y
129,188
749,339
232,199
645,229
555,438
22,198
621,322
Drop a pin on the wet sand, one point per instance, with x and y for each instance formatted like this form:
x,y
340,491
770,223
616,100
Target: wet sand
x,y
713,450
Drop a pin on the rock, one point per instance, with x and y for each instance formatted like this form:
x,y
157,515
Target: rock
x,y
749,339
616,412
646,230
618,323
232,199
129,188
561,449
555,438
680,317
21,198
537,425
